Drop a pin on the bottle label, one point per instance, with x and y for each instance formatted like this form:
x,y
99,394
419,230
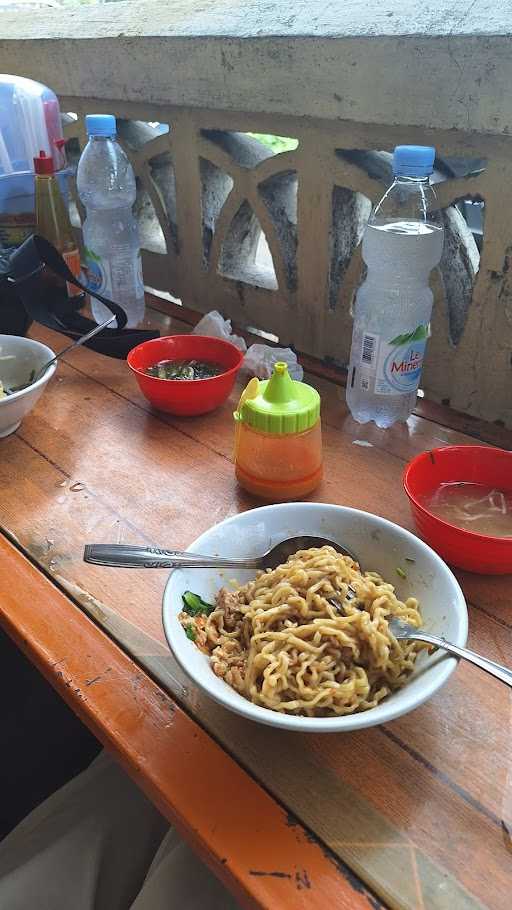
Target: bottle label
x,y
393,367
111,278
72,260
99,276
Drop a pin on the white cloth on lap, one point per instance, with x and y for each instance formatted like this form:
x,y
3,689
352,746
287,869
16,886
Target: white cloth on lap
x,y
99,844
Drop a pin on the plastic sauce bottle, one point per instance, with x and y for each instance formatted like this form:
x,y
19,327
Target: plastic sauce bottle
x,y
278,441
402,243
106,186
52,220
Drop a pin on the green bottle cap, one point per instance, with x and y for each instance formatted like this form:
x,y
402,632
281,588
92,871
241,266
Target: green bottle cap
x,y
280,404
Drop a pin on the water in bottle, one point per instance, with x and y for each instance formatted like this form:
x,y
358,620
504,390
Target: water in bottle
x,y
402,243
106,186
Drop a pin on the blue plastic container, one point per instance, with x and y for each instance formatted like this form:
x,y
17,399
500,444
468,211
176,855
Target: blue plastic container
x,y
29,122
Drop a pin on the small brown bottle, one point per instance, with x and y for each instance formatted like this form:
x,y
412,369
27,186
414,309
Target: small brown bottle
x,y
52,219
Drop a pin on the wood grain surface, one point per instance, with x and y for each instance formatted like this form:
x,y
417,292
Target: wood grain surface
x,y
419,809
258,849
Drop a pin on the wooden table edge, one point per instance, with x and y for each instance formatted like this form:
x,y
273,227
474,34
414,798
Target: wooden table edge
x,y
276,863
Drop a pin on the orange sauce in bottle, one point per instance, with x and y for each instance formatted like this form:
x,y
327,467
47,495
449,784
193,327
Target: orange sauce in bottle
x,y
278,444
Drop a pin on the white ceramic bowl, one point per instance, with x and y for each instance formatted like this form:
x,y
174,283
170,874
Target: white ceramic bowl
x,y
18,357
380,545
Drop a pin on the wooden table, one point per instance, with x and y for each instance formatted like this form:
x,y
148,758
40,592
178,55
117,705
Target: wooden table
x,y
416,814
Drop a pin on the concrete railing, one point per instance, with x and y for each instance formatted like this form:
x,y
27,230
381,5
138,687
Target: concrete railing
x,y
346,84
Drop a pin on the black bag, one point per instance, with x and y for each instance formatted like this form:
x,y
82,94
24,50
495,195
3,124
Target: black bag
x,y
14,319
25,296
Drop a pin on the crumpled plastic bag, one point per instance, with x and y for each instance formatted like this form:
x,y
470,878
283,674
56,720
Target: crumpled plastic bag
x,y
215,326
260,358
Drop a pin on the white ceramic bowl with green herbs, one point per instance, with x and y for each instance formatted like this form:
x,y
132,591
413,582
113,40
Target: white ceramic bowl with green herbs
x,y
380,545
21,358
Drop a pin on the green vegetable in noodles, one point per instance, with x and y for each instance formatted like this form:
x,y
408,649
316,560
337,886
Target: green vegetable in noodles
x,y
195,605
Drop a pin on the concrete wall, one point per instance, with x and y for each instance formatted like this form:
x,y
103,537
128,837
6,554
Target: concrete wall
x,y
446,64
347,81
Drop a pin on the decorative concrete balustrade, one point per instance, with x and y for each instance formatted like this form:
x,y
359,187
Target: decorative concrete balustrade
x,y
191,82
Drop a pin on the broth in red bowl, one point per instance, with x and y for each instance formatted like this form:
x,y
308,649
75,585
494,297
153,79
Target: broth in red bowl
x,y
186,397
461,500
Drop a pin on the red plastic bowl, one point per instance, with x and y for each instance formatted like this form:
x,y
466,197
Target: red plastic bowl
x,y
455,464
186,397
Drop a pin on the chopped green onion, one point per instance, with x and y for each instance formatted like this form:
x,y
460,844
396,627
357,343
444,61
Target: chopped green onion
x,y
409,559
185,369
190,632
195,605
400,572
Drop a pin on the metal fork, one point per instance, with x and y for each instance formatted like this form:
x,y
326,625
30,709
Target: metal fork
x,y
338,604
404,630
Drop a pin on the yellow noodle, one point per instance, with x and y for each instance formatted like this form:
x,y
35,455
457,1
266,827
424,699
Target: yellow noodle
x,y
280,643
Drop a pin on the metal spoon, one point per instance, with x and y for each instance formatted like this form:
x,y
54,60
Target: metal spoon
x,y
42,370
404,630
152,558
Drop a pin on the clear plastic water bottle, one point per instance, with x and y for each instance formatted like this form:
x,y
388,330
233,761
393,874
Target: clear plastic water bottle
x,y
106,186
402,243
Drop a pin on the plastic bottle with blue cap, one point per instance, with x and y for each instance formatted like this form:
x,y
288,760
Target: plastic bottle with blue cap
x,y
402,243
106,186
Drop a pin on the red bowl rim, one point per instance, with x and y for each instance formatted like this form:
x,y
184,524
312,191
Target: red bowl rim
x,y
191,382
472,535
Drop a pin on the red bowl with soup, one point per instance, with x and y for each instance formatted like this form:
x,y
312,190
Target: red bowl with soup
x,y
186,397
461,500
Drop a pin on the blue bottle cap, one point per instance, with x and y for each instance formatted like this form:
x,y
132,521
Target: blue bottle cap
x,y
413,160
100,125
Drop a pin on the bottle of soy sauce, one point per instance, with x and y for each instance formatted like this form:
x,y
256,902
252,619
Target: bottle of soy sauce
x,y
52,221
